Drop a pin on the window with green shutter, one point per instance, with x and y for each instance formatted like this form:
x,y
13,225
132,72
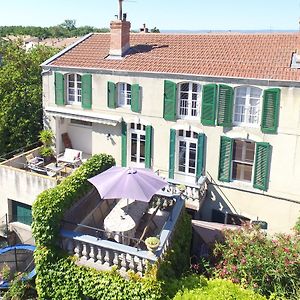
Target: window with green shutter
x,y
59,88
270,112
262,166
225,105
225,159
124,144
200,155
208,109
172,153
86,101
148,146
135,98
237,162
170,103
111,95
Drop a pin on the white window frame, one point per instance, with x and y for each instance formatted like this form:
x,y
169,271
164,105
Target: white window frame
x,y
140,131
189,101
77,89
124,94
193,139
243,162
247,108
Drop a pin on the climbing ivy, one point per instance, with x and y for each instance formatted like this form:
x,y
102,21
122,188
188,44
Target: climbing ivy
x,y
58,276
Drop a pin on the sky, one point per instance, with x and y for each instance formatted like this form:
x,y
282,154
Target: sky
x,y
163,14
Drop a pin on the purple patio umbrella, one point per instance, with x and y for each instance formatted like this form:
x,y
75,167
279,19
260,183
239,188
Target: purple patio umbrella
x,y
131,183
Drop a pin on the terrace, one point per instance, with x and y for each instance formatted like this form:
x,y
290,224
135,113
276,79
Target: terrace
x,y
83,233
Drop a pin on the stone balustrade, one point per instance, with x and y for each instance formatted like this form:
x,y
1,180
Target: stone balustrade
x,y
193,194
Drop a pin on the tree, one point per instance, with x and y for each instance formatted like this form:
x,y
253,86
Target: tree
x,y
155,30
69,24
20,95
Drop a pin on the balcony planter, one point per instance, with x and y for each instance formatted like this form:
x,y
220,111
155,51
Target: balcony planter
x,y
46,136
152,243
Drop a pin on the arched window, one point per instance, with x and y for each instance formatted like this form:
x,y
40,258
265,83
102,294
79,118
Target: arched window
x,y
73,88
247,105
189,100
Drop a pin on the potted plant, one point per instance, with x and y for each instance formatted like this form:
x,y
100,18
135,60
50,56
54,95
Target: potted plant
x,y
46,136
152,243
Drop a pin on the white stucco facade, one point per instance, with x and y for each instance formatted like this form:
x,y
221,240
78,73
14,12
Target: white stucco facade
x,y
279,206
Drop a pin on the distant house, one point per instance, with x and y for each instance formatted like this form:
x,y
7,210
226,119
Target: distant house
x,y
215,109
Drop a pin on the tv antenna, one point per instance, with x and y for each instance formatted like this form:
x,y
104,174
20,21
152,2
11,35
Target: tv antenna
x,y
121,7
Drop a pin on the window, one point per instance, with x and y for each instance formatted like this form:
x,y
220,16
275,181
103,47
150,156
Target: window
x,y
73,89
247,105
245,161
20,212
124,94
242,160
189,100
137,143
187,151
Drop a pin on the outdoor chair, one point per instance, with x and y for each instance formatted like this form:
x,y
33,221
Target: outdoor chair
x,y
34,161
71,157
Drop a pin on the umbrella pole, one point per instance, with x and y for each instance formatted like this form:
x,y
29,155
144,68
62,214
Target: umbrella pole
x,y
127,207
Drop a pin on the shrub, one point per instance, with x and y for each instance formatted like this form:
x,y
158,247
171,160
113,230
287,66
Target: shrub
x,y
177,259
297,226
217,289
269,266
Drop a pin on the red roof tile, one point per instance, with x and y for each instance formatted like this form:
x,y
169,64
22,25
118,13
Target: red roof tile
x,y
259,56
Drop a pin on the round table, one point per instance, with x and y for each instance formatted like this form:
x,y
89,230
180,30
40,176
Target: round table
x,y
120,224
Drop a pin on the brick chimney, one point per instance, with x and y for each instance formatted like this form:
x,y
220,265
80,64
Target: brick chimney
x,y
119,37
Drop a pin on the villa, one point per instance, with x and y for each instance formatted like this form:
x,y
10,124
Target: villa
x,y
216,115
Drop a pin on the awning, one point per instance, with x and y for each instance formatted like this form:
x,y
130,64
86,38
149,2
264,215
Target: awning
x,y
69,113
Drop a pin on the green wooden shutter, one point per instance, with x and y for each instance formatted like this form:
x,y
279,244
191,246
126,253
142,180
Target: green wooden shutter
x,y
59,88
225,105
124,144
172,153
262,165
270,112
86,81
111,95
208,110
170,103
200,155
21,213
148,146
135,98
225,159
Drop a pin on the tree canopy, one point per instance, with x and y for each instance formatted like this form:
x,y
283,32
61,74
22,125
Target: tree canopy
x,y
20,95
66,29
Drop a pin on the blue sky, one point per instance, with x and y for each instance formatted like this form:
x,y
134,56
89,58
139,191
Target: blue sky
x,y
164,14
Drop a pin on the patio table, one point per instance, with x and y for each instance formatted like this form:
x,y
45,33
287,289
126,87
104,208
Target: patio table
x,y
120,224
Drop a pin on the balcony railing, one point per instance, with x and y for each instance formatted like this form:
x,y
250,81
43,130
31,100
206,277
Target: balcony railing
x,y
103,254
193,194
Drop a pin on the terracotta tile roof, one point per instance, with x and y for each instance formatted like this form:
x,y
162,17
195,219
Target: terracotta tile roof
x,y
258,56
